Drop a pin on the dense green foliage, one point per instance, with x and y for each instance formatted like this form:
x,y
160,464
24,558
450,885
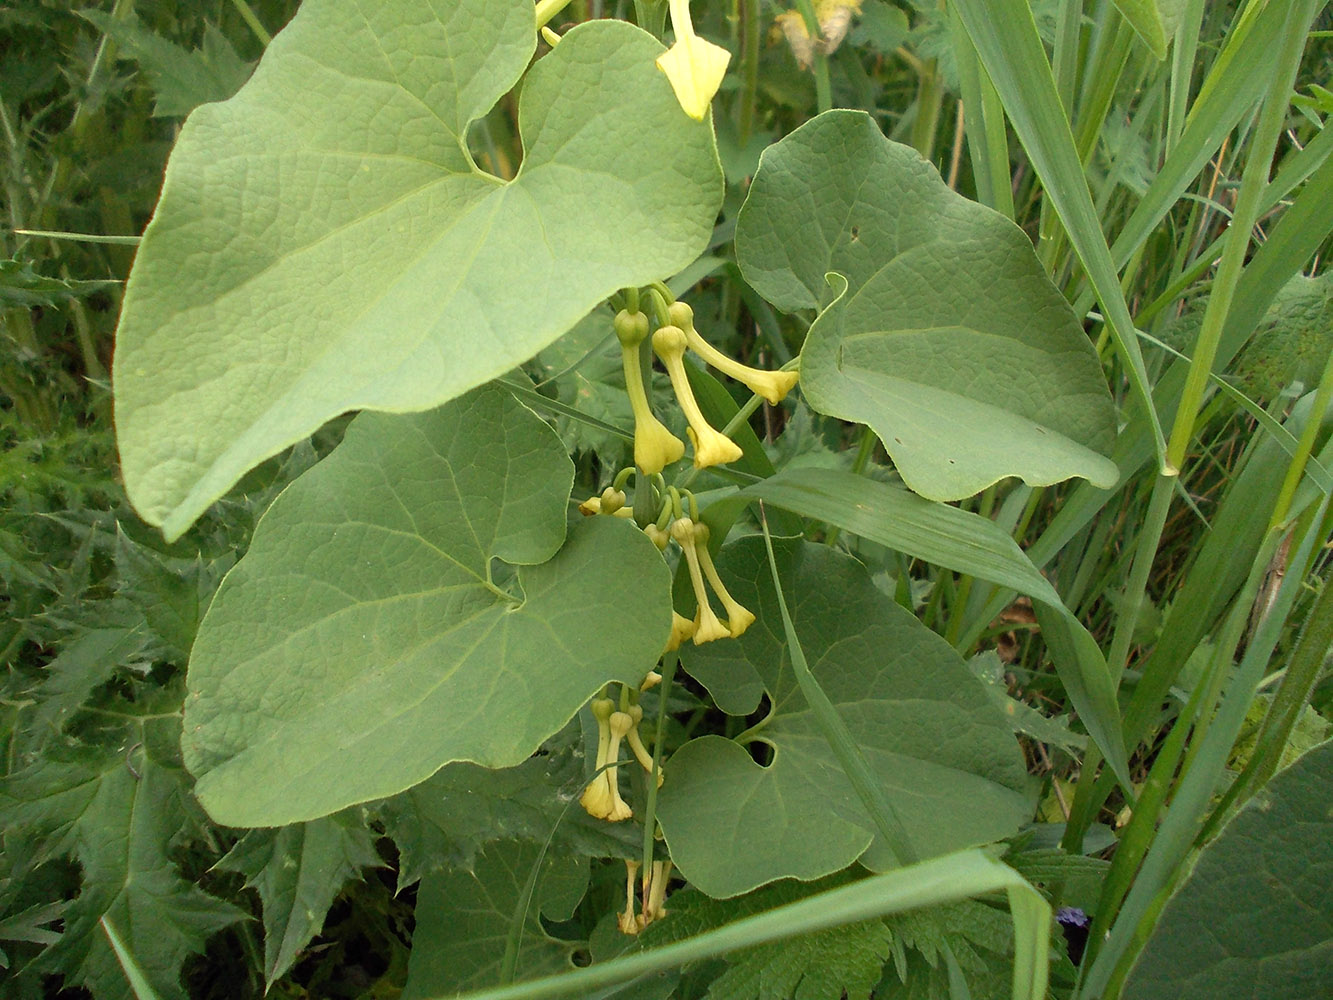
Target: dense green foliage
x,y
301,624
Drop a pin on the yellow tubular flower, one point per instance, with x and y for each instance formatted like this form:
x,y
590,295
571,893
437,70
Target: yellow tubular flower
x,y
739,618
629,921
656,894
711,447
772,386
694,65
621,723
651,681
596,798
706,626
681,629
635,742
655,447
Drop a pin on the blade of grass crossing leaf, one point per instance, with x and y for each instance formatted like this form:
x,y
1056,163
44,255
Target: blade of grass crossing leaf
x,y
1006,40
143,990
966,543
839,739
940,880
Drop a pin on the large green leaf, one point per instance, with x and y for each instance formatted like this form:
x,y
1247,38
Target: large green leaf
x,y
1255,918
947,758
324,241
363,642
950,342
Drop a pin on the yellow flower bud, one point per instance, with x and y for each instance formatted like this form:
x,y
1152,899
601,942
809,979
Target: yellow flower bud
x,y
658,537
711,447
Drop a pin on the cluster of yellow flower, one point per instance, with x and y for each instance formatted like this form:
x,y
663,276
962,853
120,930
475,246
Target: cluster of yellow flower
x,y
655,447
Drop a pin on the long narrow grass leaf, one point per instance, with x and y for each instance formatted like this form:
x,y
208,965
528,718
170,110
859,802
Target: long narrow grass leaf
x,y
940,880
1006,39
868,790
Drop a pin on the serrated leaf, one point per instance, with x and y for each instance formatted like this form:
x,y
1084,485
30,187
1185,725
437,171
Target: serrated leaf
x,y
182,79
464,916
299,870
1255,918
171,593
446,819
361,644
325,243
119,827
943,333
949,764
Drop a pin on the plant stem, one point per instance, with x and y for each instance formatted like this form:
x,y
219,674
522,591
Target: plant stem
x,y
256,26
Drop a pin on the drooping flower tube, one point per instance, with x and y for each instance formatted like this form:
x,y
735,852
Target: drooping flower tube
x,y
739,618
621,723
711,447
629,921
601,798
706,625
655,447
682,628
635,742
694,65
772,386
654,892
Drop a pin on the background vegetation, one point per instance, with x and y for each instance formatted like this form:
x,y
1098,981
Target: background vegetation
x,y
1196,585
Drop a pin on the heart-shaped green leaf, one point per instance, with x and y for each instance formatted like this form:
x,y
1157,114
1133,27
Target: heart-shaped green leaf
x,y
947,758
363,642
949,341
325,243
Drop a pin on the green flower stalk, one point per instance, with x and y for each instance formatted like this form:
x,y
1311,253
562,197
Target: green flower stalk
x,y
772,386
711,447
706,625
739,618
655,447
601,799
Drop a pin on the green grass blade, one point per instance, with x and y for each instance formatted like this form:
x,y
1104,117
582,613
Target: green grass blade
x,y
1240,81
1176,836
1006,39
940,880
1146,20
143,989
840,741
